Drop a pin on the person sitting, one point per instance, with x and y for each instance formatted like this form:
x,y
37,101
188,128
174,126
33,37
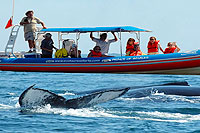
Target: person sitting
x,y
172,48
137,51
103,42
96,52
130,46
73,52
47,46
153,46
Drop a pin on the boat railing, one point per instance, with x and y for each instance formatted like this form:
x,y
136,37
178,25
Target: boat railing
x,y
192,51
9,49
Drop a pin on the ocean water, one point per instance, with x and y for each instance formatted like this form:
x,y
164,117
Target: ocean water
x,y
155,113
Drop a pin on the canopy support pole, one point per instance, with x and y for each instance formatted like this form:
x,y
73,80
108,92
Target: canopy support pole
x,y
120,40
138,36
59,39
77,38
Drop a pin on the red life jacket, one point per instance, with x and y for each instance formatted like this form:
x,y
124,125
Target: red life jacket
x,y
153,47
95,54
168,51
130,47
136,53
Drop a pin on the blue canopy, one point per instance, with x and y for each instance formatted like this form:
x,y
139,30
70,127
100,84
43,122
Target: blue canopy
x,y
96,29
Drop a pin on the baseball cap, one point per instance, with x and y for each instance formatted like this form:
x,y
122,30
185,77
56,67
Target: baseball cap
x,y
47,35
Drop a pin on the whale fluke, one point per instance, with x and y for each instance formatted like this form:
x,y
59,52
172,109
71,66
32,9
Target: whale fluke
x,y
34,97
95,98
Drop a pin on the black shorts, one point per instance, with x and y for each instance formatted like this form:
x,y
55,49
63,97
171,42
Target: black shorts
x,y
46,56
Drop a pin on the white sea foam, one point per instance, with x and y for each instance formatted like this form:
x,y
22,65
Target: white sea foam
x,y
67,94
17,105
162,114
15,99
86,112
170,116
134,99
164,97
10,93
182,98
156,93
3,106
142,115
162,120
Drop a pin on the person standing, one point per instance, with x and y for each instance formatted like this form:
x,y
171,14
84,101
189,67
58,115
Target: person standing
x,y
47,46
29,22
103,42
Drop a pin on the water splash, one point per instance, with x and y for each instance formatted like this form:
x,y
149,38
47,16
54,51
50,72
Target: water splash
x,y
165,116
67,94
4,106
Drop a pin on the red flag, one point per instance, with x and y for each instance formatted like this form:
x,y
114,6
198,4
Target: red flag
x,y
9,24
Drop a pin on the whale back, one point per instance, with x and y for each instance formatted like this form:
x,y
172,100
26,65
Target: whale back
x,y
167,90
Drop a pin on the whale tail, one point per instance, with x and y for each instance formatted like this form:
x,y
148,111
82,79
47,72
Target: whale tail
x,y
34,97
95,98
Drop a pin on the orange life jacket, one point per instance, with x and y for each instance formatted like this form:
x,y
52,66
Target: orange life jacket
x,y
168,51
95,54
130,47
136,53
153,47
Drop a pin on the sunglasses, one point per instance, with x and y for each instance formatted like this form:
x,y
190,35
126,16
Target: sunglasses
x,y
152,39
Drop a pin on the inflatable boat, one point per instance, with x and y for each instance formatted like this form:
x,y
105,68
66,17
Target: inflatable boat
x,y
175,63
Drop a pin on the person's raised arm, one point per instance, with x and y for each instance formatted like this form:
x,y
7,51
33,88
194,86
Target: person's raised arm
x,y
178,49
91,35
43,25
114,35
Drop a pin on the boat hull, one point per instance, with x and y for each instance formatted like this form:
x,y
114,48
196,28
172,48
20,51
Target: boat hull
x,y
179,63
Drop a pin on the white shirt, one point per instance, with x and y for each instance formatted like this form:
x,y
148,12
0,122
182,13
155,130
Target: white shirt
x,y
104,45
31,27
